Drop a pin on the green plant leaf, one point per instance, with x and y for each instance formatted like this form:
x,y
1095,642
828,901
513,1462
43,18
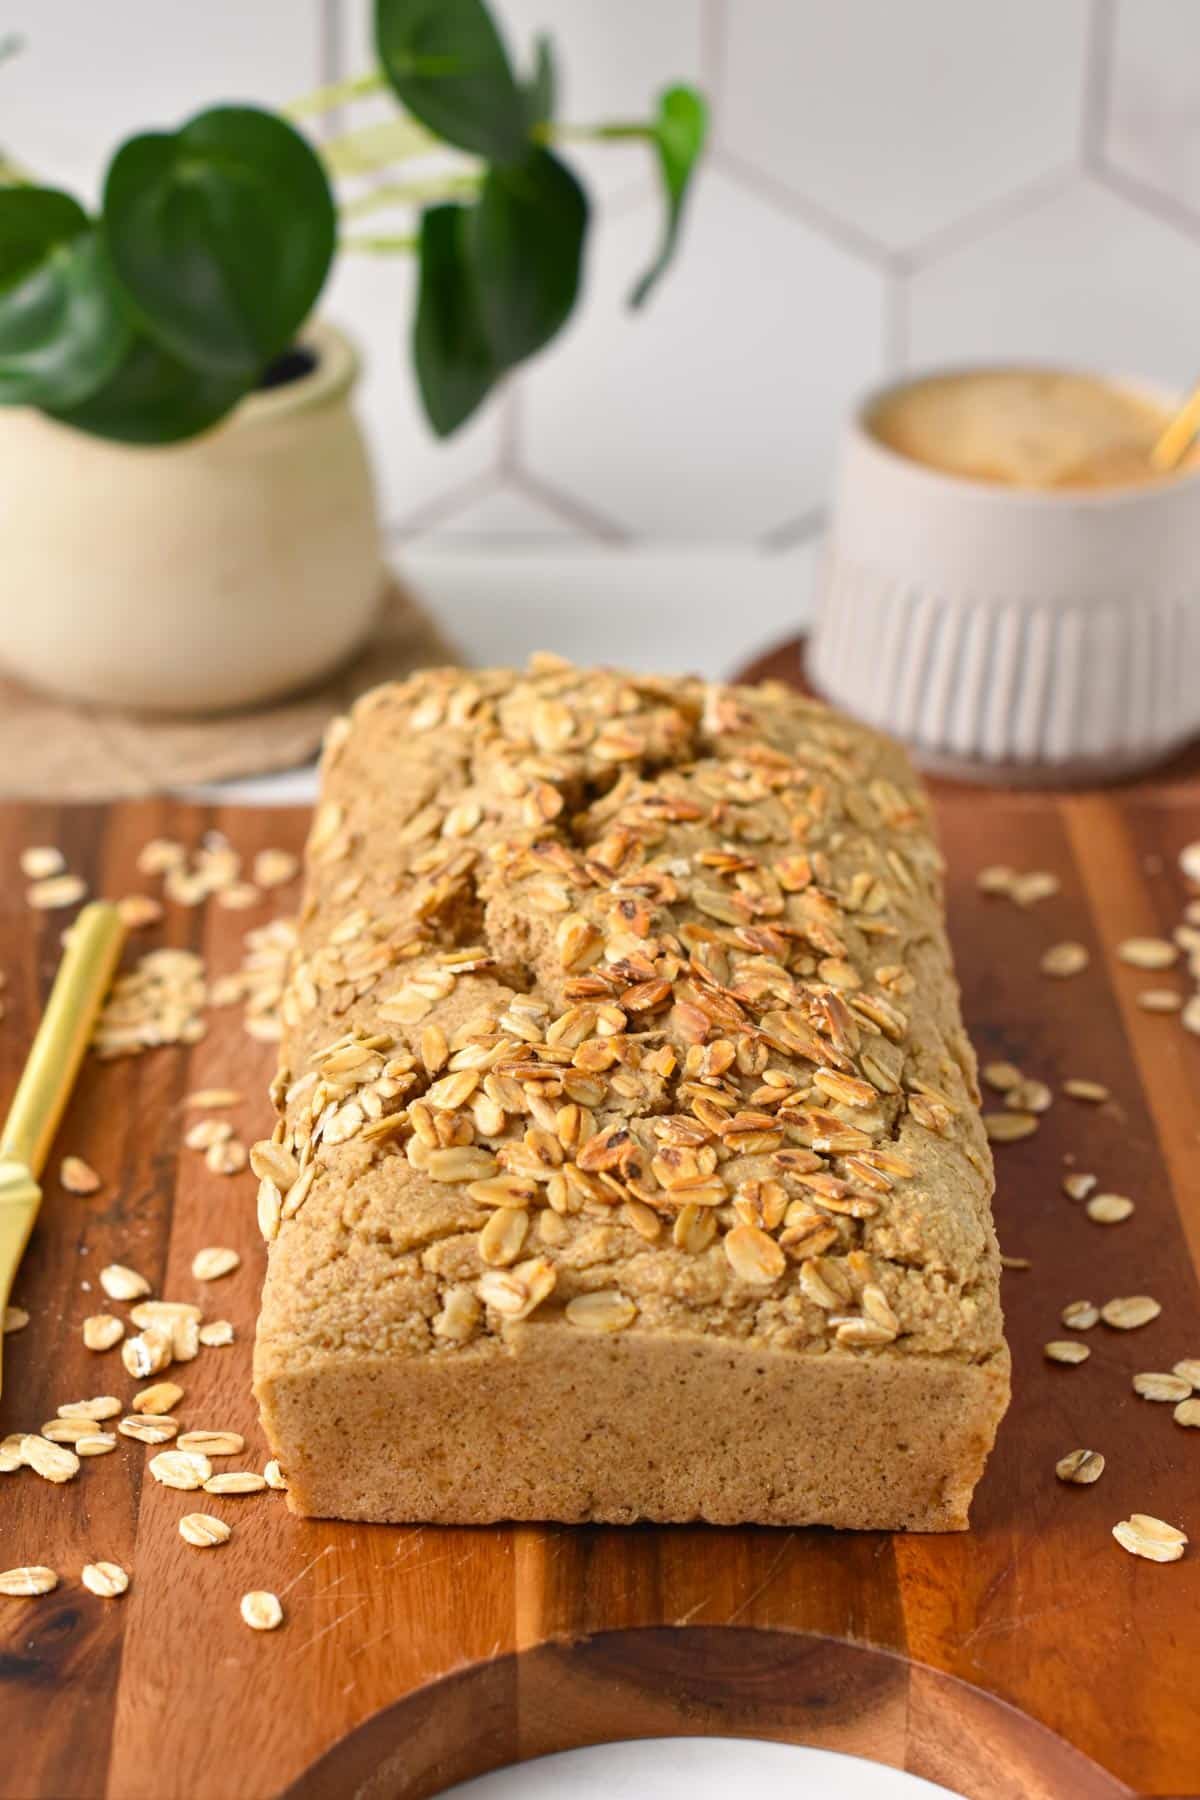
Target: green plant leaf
x,y
152,398
525,238
62,326
455,366
541,90
678,135
447,64
33,222
222,233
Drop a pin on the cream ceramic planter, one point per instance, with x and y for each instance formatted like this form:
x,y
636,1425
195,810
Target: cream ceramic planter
x,y
1008,634
207,575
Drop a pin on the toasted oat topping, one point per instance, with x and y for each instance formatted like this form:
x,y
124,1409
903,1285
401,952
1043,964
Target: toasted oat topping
x,y
646,997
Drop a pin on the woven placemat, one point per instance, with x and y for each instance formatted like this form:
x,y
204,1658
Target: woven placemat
x,y
54,750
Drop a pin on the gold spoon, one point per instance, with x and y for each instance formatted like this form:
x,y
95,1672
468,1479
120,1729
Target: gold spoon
x,y
1177,435
48,1077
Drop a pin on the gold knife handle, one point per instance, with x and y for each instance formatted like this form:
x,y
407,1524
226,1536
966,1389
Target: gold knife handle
x,y
63,1035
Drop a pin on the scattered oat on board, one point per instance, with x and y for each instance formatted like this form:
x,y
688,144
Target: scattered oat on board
x,y
108,1579
1081,1467
1062,960
275,868
1002,1076
1129,1311
207,1132
1189,861
55,892
236,1481
216,1333
53,1462
214,1261
1188,1412
1188,1369
1154,1384
121,1283
1077,1186
1148,952
213,1443
261,1610
25,1583
97,1443
996,878
210,1098
1143,1535
41,861
159,1001
163,1397
1065,1350
1029,1096
15,1319
78,1177
1077,1088
149,1428
102,1330
138,911
1159,1000
202,1530
274,1476
103,1406
1109,1209
226,1158
181,1468
1008,1127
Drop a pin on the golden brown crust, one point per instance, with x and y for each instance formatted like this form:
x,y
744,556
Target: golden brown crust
x,y
622,1006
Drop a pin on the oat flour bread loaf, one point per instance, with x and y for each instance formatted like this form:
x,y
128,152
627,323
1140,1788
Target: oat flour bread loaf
x,y
629,1161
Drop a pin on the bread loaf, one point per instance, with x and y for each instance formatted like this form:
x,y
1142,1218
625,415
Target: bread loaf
x,y
629,1161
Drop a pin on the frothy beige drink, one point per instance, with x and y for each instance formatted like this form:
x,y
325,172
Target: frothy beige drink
x,y
1035,428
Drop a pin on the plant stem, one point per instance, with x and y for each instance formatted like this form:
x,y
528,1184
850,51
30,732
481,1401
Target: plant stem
x,y
336,93
374,146
386,245
411,193
550,132
13,174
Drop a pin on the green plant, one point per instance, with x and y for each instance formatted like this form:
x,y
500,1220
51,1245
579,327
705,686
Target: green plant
x,y
148,322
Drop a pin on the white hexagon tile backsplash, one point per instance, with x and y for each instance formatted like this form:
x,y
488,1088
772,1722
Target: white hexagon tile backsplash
x,y
892,184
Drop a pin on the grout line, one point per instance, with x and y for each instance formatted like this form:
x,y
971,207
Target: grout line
x,y
445,506
777,193
794,531
510,416
573,512
1097,82
984,220
897,322
330,61
1148,199
714,39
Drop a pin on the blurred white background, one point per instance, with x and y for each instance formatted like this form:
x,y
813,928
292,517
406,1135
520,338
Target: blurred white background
x,y
889,186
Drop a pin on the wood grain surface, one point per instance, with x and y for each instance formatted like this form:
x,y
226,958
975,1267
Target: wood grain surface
x,y
1031,1657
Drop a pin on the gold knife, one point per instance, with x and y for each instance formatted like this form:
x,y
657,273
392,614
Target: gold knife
x,y
48,1077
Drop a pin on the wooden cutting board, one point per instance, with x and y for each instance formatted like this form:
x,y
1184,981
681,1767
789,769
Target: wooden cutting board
x,y
1030,1657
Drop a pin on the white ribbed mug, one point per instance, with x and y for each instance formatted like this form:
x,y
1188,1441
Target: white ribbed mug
x,y
1010,634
